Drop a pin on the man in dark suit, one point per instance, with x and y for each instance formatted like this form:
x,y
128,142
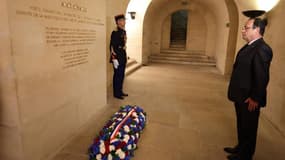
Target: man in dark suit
x,y
119,56
247,88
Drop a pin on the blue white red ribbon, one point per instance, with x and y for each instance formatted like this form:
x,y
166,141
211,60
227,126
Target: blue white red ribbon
x,y
119,137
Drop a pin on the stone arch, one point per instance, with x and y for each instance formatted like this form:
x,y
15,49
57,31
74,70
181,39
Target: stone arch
x,y
195,40
140,45
134,28
233,34
165,29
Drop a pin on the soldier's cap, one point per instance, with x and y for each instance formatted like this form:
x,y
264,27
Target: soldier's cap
x,y
120,16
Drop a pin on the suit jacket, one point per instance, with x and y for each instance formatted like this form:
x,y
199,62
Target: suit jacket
x,y
118,45
250,74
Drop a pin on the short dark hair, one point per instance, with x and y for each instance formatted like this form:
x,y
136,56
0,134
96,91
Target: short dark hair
x,y
118,17
261,24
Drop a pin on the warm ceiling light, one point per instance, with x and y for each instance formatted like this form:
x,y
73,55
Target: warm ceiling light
x,y
266,5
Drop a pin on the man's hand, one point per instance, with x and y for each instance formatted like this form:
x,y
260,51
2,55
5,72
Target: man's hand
x,y
252,105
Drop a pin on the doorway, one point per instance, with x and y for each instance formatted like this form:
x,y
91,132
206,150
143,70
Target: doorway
x,y
179,23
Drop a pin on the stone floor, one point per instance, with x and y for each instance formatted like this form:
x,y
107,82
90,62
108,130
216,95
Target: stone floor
x,y
189,117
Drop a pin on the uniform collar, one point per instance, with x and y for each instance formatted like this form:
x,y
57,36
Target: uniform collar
x,y
120,29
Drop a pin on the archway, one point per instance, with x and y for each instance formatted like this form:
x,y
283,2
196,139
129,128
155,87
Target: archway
x,y
142,29
178,31
217,15
233,33
196,27
134,28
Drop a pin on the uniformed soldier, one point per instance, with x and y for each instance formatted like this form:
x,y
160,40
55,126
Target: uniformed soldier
x,y
119,56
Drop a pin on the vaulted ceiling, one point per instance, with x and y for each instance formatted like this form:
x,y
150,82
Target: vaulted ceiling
x,y
217,7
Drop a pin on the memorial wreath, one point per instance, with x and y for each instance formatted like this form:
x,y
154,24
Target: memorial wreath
x,y
119,137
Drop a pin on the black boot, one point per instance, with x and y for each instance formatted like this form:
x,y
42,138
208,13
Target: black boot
x,y
232,150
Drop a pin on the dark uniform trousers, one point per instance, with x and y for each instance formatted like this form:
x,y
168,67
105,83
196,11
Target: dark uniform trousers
x,y
247,124
118,79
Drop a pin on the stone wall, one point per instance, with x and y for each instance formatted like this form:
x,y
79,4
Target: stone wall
x,y
53,73
165,33
10,133
274,35
196,31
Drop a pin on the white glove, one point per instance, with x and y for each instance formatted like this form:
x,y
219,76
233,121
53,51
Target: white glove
x,y
115,63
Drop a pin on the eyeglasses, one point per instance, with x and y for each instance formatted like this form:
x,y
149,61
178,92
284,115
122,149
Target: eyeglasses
x,y
246,28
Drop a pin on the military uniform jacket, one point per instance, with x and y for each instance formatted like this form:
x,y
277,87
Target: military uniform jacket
x,y
118,46
250,74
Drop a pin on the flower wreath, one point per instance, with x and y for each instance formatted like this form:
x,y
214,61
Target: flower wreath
x,y
119,137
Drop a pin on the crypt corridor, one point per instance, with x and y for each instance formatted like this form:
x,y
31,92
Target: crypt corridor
x,y
189,117
55,90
